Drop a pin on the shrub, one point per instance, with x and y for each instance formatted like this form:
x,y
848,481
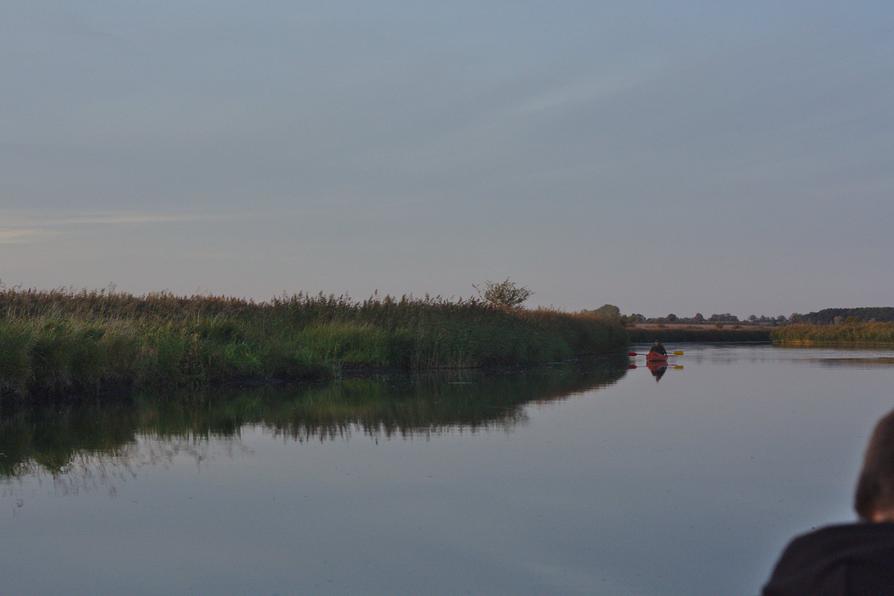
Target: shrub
x,y
504,294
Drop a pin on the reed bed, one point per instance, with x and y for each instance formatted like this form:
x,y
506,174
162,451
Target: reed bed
x,y
63,341
845,333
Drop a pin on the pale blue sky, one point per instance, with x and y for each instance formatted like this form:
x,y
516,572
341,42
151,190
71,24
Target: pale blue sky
x,y
662,156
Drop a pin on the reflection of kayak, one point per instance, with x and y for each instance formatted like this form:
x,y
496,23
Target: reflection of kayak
x,y
656,357
657,367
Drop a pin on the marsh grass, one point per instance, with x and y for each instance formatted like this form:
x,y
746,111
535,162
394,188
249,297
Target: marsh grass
x,y
61,342
845,333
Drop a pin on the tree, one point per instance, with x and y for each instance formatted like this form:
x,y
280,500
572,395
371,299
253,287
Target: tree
x,y
724,318
699,318
608,311
505,294
633,319
671,318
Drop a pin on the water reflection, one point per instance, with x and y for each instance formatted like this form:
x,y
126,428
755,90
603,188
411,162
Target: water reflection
x,y
657,369
868,362
98,440
735,354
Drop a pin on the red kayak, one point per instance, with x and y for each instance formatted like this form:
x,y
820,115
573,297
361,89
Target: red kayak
x,y
656,357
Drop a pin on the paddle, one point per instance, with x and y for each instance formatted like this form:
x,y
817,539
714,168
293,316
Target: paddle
x,y
676,353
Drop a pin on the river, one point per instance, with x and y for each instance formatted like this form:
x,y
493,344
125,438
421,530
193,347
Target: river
x,y
590,479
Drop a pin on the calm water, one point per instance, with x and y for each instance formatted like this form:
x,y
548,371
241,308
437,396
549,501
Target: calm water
x,y
566,480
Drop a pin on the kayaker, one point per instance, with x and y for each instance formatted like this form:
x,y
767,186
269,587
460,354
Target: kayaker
x,y
658,348
856,558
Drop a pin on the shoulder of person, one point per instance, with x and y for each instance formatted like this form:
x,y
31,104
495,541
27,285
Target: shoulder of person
x,y
814,555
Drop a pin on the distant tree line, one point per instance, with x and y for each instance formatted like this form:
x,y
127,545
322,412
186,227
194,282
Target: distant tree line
x,y
700,319
832,316
827,316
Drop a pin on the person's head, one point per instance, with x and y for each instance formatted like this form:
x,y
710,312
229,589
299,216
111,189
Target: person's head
x,y
656,342
874,499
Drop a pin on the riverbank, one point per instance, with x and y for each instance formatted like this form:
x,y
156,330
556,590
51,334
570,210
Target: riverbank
x,y
63,342
801,334
687,333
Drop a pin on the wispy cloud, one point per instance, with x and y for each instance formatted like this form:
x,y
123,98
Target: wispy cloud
x,y
590,89
17,227
19,235
111,219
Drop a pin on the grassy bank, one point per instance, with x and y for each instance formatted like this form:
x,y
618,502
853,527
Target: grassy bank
x,y
847,333
61,341
699,333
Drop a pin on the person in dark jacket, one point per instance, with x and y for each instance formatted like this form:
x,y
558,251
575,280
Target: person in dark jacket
x,y
853,558
658,347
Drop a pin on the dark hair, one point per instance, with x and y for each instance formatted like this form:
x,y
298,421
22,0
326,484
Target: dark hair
x,y
875,488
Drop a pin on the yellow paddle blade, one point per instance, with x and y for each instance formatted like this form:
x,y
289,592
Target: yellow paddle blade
x,y
678,367
678,353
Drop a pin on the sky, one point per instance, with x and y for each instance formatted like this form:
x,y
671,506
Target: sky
x,y
662,156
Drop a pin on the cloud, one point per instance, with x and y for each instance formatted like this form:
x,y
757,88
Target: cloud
x,y
20,227
19,235
122,219
586,90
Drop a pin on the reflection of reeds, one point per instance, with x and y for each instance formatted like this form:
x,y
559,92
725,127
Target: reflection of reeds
x,y
62,341
44,436
854,362
845,333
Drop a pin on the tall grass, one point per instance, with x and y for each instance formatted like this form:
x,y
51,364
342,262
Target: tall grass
x,y
846,333
63,341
